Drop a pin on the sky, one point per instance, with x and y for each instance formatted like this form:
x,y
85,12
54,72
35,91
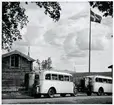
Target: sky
x,y
67,41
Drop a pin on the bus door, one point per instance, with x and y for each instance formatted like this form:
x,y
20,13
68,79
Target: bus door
x,y
89,84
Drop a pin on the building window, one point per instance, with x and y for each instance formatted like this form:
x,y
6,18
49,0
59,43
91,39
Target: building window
x,y
14,61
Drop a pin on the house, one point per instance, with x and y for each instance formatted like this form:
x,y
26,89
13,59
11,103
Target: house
x,y
14,67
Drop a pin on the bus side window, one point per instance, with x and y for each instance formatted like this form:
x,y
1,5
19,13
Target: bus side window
x,y
48,77
97,79
54,77
66,78
61,77
109,81
100,80
71,79
105,80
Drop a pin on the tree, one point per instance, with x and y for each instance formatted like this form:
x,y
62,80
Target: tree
x,y
14,19
103,6
46,64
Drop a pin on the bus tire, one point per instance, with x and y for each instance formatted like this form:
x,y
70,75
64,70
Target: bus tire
x,y
62,95
100,91
51,92
75,91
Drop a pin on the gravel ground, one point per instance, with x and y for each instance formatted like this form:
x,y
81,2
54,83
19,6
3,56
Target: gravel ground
x,y
62,100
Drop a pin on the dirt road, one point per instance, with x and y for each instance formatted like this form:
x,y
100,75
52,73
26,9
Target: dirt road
x,y
62,100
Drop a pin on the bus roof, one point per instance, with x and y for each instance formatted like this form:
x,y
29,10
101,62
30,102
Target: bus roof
x,y
55,72
100,76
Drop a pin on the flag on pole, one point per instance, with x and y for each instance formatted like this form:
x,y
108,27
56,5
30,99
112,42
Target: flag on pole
x,y
94,17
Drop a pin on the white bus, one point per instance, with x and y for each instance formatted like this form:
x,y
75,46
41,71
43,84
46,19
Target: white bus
x,y
98,84
49,83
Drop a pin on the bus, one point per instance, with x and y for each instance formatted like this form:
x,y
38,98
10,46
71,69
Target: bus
x,y
98,84
49,83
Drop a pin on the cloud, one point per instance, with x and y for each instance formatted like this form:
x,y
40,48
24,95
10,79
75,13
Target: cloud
x,y
71,48
71,34
66,41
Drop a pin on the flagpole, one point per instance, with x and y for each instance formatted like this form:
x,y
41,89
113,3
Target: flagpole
x,y
93,18
90,43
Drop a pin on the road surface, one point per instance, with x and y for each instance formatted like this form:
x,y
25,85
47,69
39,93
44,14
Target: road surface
x,y
62,100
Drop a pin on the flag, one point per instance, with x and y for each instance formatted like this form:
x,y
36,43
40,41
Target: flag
x,y
94,17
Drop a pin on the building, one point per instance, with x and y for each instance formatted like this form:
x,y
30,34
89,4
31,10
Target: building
x,y
111,67
14,66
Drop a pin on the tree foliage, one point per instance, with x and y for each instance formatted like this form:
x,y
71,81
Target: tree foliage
x,y
14,19
45,64
104,6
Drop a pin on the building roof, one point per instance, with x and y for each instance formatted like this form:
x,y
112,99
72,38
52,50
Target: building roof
x,y
19,53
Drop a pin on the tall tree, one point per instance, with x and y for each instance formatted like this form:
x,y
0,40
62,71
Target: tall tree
x,y
104,6
14,19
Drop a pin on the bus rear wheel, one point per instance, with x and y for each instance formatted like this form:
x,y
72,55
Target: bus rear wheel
x,y
51,93
100,92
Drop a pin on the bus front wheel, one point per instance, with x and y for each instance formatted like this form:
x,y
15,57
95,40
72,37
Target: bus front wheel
x,y
51,93
100,92
75,91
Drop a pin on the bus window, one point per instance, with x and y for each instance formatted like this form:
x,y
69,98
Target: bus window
x,y
48,77
97,79
100,80
61,77
109,81
54,77
105,80
66,78
71,79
